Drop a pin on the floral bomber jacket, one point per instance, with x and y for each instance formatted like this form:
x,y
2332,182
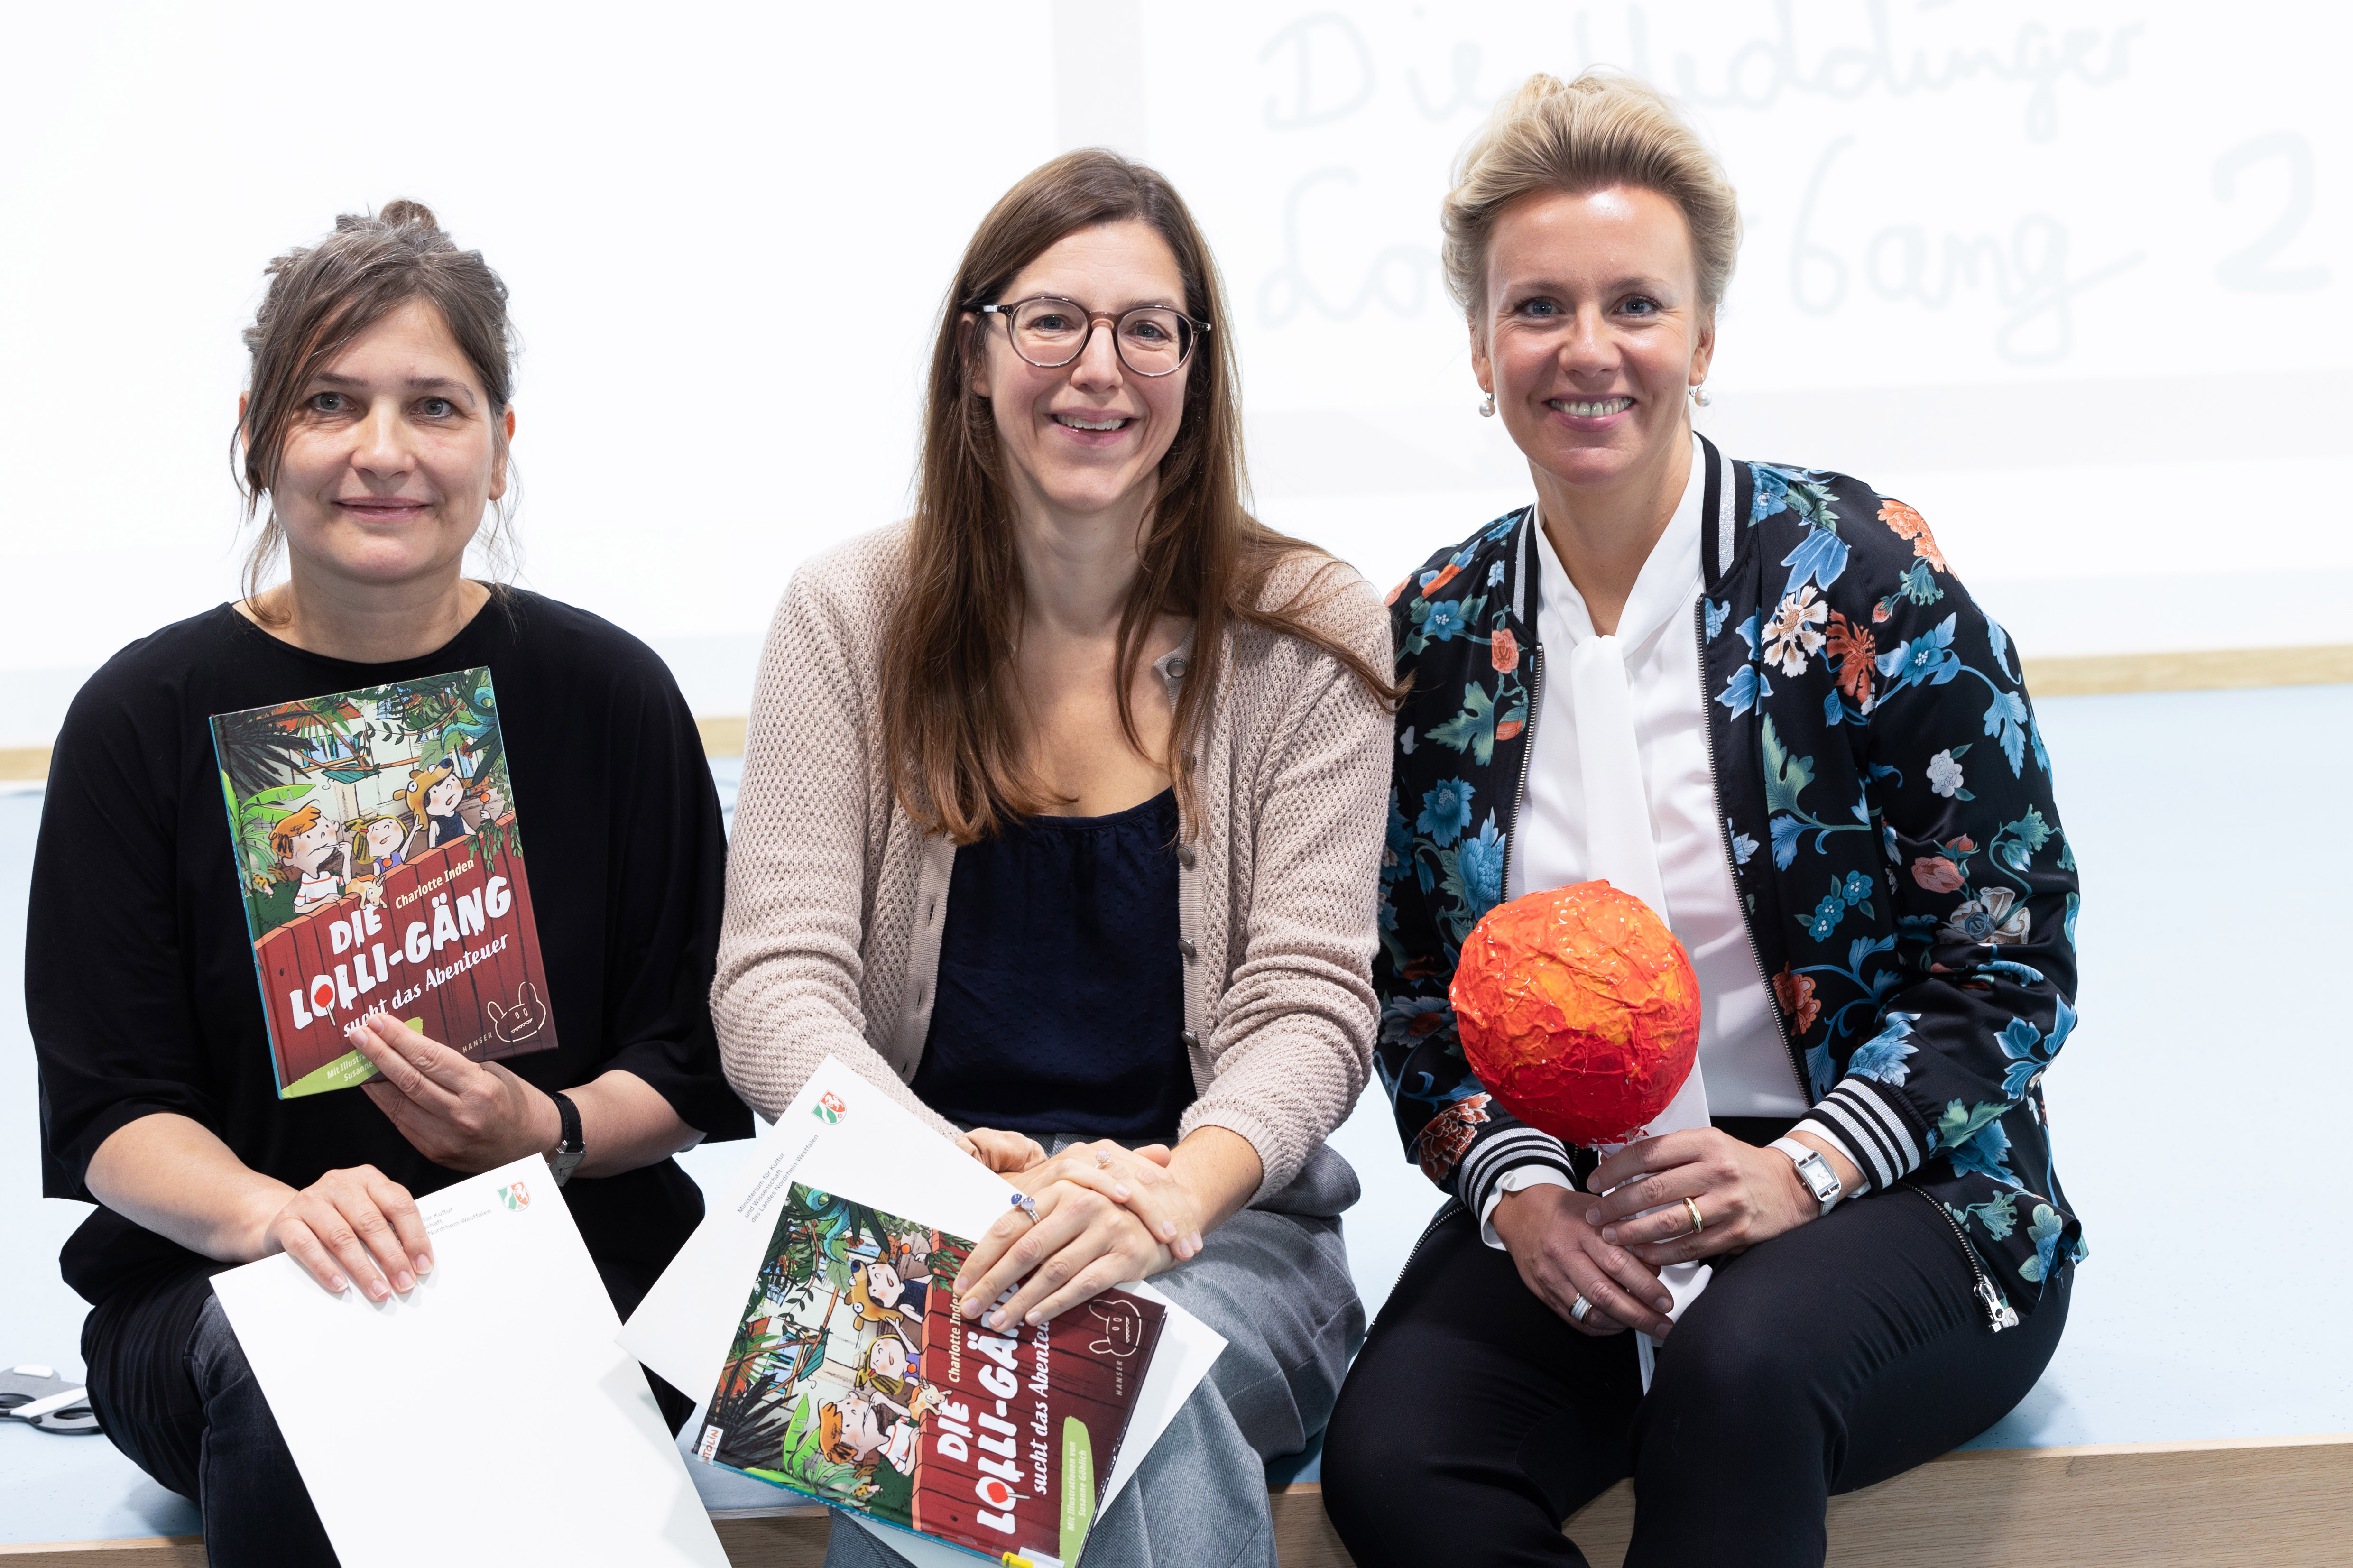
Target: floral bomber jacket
x,y
1887,814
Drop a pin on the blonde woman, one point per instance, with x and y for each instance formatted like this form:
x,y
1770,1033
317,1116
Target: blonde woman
x,y
1060,820
1755,697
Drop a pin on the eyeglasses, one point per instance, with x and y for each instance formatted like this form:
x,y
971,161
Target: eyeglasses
x,y
1050,332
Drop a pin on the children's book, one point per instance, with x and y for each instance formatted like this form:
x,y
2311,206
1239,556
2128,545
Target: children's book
x,y
852,1380
376,844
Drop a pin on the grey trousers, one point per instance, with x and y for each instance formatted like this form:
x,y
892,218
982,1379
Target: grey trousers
x,y
1274,1280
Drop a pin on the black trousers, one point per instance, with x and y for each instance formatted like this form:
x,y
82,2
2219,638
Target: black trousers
x,y
172,1387
1835,1355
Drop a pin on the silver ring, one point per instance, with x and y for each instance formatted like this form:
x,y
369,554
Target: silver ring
x,y
1577,1308
1102,1162
1027,1204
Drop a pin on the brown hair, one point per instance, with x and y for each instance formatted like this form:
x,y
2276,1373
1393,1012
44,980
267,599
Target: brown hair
x,y
1572,137
950,707
322,297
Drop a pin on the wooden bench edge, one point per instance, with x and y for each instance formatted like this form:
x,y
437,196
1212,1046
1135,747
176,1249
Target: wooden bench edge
x,y
793,1536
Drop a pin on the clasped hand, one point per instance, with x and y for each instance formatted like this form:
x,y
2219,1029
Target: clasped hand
x,y
1745,1196
1606,1248
1104,1213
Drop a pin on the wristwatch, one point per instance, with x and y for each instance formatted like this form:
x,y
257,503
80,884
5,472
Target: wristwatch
x,y
570,1150
1814,1171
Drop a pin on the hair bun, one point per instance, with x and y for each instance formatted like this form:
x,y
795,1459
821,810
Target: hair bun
x,y
400,211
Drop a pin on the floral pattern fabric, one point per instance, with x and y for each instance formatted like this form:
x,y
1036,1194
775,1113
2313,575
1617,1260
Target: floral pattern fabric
x,y
1888,816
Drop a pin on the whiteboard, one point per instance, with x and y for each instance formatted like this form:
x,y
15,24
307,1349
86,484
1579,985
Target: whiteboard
x,y
2069,278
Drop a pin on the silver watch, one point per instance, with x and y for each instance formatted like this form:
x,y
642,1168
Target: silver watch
x,y
1814,1171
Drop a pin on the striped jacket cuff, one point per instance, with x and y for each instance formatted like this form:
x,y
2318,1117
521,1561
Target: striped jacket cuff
x,y
1859,1120
1507,1148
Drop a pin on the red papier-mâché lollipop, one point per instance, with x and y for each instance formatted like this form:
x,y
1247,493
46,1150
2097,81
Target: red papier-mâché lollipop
x,y
1578,1010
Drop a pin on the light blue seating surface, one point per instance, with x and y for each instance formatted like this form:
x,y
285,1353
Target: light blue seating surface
x,y
2197,1110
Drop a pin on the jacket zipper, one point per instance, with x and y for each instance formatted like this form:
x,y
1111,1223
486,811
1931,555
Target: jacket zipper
x,y
1527,755
2000,1314
1419,1242
1724,832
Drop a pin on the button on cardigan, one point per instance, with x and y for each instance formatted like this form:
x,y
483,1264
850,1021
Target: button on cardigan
x,y
836,899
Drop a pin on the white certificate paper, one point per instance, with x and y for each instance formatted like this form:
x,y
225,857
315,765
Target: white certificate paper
x,y
842,1135
487,1416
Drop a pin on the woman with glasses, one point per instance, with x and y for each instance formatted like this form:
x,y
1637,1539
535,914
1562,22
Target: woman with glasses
x,y
1757,698
1060,818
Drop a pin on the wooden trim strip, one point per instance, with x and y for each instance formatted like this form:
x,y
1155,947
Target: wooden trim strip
x,y
722,737
2203,669
2103,675
131,1552
20,765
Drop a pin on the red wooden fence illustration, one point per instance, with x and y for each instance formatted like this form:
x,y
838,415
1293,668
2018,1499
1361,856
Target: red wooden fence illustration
x,y
432,949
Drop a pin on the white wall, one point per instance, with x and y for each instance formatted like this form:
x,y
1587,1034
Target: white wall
x,y
2069,279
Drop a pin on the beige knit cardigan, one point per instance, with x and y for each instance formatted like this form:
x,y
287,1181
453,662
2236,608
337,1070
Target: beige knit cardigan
x,y
836,899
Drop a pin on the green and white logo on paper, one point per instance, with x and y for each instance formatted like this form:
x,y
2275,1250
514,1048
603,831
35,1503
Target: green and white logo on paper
x,y
828,1108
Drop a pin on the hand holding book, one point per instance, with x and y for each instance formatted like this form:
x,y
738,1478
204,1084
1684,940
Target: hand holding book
x,y
469,1116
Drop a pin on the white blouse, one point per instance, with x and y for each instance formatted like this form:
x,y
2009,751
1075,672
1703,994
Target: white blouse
x,y
1743,1058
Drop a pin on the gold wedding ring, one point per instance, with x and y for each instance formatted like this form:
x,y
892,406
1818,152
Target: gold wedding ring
x,y
1698,1223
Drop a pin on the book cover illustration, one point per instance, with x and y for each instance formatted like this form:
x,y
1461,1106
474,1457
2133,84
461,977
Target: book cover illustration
x,y
852,1380
377,852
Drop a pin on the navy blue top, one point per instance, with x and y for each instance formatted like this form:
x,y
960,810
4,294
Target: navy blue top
x,y
1061,1004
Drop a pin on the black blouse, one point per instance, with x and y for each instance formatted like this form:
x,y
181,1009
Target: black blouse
x,y
140,981
1061,1005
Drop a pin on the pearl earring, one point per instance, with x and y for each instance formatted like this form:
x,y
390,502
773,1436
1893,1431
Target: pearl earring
x,y
1487,409
1699,395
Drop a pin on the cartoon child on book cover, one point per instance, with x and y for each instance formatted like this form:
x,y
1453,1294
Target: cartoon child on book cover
x,y
409,767
380,865
824,1389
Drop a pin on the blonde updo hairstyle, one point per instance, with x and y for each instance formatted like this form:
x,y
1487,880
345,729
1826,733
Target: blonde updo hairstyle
x,y
1601,129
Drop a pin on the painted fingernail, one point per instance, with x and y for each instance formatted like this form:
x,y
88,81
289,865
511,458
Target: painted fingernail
x,y
1196,1240
1167,1230
424,1265
376,1292
1123,1193
405,1282
338,1284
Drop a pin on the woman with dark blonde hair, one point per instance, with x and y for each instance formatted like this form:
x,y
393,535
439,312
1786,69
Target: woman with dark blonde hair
x,y
1061,820
1757,698
377,427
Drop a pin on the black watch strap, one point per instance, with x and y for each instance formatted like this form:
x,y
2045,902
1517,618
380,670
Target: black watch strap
x,y
569,1149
